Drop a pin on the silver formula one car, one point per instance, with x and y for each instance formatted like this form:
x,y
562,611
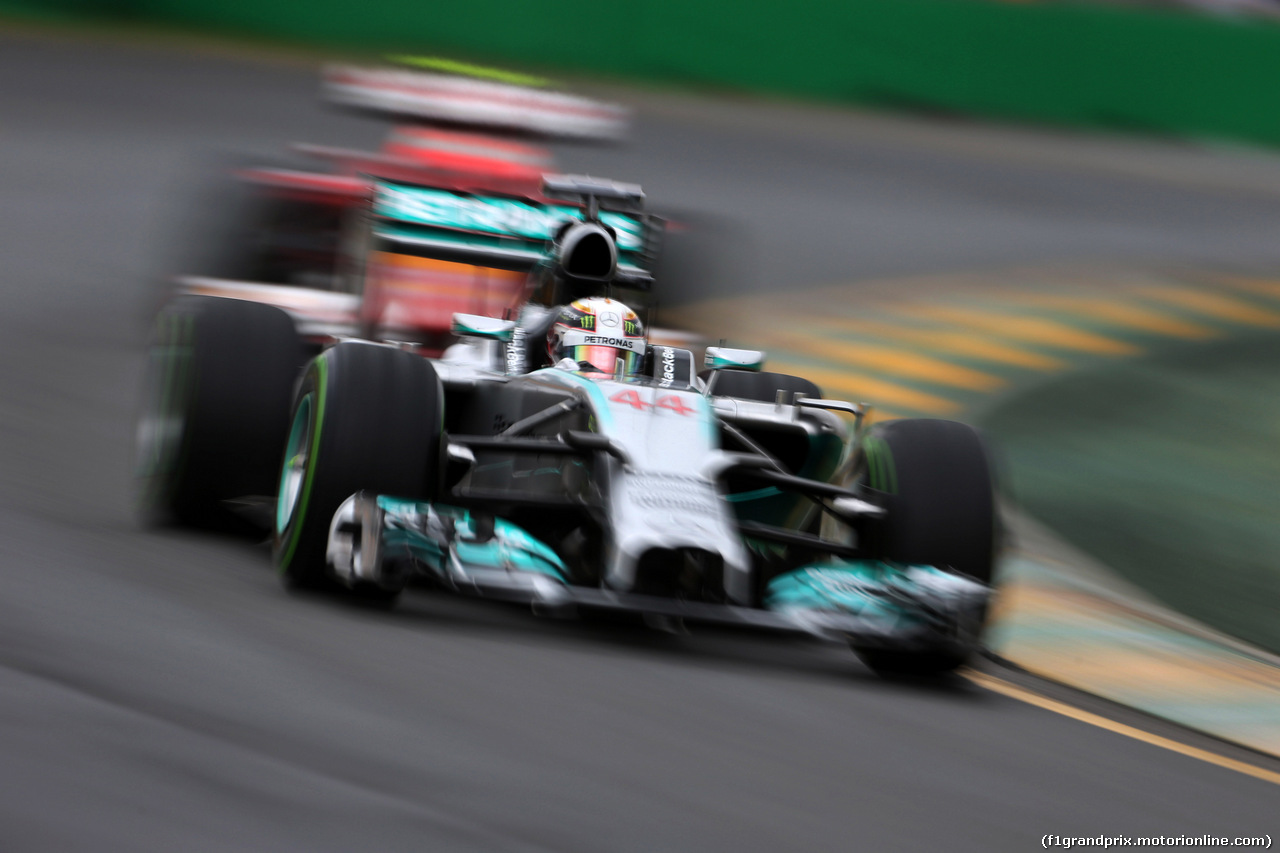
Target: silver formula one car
x,y
564,461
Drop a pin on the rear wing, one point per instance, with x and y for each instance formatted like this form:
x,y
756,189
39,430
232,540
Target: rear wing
x,y
514,232
462,100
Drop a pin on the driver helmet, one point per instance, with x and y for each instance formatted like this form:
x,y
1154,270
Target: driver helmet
x,y
595,333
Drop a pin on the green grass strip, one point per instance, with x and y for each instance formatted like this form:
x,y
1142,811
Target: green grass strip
x,y
1167,470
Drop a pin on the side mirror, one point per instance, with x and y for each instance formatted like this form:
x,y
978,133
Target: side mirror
x,y
718,358
480,326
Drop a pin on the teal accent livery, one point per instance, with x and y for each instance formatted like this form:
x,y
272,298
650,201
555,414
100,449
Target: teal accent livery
x,y
493,215
436,535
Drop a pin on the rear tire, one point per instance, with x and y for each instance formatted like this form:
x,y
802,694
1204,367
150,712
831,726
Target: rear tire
x,y
365,417
216,408
934,479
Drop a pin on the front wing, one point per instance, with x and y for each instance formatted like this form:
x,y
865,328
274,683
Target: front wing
x,y
381,540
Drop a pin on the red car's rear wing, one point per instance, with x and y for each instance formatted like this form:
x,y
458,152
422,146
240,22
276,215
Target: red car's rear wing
x,y
470,102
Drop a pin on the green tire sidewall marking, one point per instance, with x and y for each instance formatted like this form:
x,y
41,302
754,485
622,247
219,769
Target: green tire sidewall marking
x,y
171,360
871,447
881,473
299,517
890,470
299,438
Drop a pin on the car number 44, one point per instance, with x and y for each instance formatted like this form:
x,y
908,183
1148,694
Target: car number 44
x,y
670,402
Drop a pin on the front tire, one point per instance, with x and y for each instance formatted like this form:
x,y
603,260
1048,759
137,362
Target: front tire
x,y
934,478
216,409
367,417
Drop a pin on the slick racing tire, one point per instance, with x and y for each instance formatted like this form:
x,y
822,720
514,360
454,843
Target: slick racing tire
x,y
762,386
934,479
219,380
365,417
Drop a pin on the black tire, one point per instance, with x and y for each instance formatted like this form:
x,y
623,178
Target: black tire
x,y
934,478
910,664
364,417
760,386
216,408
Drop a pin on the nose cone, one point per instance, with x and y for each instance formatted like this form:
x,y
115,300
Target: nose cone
x,y
663,502
669,525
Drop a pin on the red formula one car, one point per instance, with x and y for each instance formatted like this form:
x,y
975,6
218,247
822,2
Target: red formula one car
x,y
297,236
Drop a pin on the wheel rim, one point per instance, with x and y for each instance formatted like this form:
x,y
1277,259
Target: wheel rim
x,y
293,475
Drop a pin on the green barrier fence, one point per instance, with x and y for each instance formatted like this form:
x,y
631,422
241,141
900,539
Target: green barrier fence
x,y
1080,64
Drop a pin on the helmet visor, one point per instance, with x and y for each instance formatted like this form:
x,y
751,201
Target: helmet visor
x,y
602,351
605,359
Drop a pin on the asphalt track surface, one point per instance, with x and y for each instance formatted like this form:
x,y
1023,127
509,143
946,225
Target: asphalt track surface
x,y
161,691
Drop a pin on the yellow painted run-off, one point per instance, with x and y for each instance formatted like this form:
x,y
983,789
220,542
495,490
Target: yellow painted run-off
x,y
1217,306
946,348
1034,330
1114,643
975,346
893,361
1115,312
869,388
998,685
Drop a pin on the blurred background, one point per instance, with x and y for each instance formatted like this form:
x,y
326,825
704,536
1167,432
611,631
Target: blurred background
x,y
1056,220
